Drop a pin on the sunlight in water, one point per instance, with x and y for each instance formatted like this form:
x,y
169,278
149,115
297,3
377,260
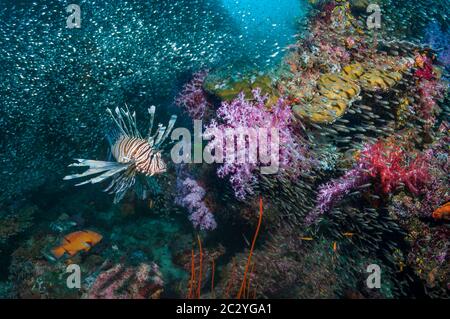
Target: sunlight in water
x,y
267,23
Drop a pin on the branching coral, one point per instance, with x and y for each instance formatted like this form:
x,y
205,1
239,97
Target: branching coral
x,y
193,98
243,114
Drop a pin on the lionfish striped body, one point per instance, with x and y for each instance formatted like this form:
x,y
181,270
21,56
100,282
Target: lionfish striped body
x,y
135,156
140,152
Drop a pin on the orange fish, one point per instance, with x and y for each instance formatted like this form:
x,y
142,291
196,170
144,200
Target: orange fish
x,y
75,242
442,212
306,238
348,234
334,246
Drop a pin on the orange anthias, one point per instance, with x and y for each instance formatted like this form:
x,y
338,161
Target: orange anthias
x,y
77,241
442,212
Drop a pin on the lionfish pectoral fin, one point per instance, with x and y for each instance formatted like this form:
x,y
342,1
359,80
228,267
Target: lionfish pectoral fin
x,y
105,169
121,183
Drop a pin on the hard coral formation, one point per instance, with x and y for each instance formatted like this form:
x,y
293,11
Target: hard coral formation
x,y
337,91
227,89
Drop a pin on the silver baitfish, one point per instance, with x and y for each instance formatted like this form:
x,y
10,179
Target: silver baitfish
x,y
135,156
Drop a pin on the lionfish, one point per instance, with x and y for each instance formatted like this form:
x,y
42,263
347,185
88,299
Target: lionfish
x,y
137,158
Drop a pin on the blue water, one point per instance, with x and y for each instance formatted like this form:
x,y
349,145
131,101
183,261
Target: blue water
x,y
269,25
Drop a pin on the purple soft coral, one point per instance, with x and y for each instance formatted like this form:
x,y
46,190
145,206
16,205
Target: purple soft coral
x,y
334,191
193,97
242,114
191,196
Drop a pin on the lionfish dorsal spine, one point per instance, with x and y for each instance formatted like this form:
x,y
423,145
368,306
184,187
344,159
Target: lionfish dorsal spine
x,y
169,128
121,121
131,118
151,111
161,131
120,127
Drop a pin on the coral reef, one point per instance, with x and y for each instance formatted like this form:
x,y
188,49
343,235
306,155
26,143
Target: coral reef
x,y
363,170
229,89
121,282
15,222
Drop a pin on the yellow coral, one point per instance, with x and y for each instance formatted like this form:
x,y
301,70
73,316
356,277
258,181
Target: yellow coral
x,y
336,92
353,71
379,79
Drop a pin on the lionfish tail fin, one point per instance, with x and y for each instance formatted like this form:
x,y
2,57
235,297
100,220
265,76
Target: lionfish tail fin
x,y
105,169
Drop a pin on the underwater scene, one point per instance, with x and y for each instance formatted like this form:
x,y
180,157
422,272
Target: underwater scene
x,y
224,149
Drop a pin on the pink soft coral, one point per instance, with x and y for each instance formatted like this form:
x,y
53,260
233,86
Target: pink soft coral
x,y
429,91
193,98
242,113
335,190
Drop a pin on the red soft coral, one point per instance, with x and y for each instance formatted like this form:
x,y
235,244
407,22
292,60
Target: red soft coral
x,y
389,163
424,68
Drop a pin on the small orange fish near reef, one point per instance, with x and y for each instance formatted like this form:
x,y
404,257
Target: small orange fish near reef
x,y
442,212
75,242
348,234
